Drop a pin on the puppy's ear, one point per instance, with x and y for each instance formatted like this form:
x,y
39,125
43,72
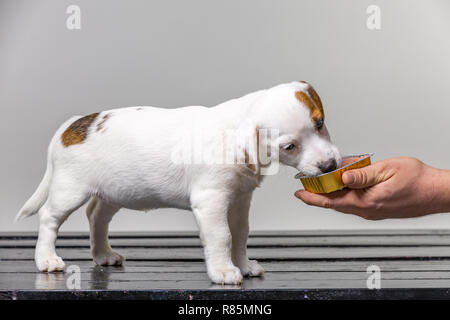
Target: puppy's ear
x,y
247,146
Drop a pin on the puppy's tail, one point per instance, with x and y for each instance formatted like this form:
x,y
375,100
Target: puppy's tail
x,y
37,200
39,197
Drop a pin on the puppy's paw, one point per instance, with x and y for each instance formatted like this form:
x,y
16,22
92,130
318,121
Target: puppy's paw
x,y
49,263
108,258
226,275
251,269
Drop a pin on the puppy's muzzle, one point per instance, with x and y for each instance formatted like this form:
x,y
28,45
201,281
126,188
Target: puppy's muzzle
x,y
327,166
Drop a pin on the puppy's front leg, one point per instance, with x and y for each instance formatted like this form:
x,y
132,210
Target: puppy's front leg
x,y
210,209
238,221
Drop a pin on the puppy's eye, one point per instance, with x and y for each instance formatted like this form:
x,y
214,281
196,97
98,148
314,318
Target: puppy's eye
x,y
319,125
289,147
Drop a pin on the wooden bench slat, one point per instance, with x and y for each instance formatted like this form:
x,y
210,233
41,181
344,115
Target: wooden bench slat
x,y
433,240
102,275
254,253
28,266
45,282
267,234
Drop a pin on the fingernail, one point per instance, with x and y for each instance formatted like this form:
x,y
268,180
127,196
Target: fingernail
x,y
298,193
349,177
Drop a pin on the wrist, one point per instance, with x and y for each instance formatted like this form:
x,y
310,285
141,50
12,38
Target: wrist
x,y
440,190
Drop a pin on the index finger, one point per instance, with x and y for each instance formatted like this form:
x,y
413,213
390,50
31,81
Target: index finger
x,y
345,201
324,200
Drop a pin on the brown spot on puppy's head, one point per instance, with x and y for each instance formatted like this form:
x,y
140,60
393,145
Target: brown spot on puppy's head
x,y
102,122
77,131
311,100
313,94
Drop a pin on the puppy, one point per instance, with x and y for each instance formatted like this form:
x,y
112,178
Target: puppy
x,y
129,158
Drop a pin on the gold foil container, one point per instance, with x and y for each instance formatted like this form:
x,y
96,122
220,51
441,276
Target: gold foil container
x,y
332,181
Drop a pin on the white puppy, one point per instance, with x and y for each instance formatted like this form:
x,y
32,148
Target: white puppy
x,y
125,158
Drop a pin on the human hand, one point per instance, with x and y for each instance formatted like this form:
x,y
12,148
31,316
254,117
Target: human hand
x,y
392,188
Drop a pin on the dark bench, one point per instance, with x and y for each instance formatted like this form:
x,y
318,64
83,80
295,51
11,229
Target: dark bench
x,y
299,265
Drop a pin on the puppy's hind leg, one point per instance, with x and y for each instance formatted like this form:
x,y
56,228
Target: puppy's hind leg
x,y
63,199
100,214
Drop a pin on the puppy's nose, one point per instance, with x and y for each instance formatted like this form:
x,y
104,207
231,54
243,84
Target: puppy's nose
x,y
328,165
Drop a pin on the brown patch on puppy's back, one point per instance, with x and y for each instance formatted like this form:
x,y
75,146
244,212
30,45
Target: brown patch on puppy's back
x,y
77,131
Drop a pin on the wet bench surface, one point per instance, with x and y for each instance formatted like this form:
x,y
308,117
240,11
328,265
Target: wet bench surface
x,y
299,265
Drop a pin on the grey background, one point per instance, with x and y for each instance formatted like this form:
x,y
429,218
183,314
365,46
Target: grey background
x,y
385,91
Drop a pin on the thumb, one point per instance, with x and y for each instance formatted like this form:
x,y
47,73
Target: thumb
x,y
362,178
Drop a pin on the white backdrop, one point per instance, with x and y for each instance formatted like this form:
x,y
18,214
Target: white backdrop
x,y
385,91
